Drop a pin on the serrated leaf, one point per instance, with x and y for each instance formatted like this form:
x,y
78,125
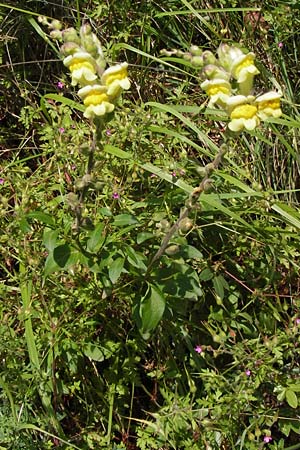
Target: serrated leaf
x,y
115,269
291,398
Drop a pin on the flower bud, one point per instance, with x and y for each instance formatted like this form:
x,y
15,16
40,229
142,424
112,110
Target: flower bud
x,y
197,61
70,35
195,50
172,249
56,24
186,224
56,35
208,57
69,48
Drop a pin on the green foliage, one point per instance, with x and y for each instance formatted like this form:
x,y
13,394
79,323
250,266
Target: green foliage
x,y
102,345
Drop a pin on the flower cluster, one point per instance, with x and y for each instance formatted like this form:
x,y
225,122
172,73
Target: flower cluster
x,y
83,56
228,81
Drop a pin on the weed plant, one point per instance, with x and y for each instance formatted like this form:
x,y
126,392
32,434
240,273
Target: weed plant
x,y
123,327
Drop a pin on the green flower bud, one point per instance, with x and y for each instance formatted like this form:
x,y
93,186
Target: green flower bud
x,y
70,35
69,48
56,24
56,35
172,249
186,224
208,57
197,61
195,50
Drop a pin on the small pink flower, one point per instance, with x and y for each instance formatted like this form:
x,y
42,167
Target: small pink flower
x,y
108,132
267,439
2,180
198,349
61,130
280,44
297,321
60,85
248,372
115,195
152,175
174,174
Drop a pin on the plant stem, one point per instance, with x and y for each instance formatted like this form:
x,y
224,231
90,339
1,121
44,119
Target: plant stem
x,y
190,204
90,165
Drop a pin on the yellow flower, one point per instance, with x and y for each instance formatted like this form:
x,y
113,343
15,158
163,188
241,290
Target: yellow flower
x,y
243,113
228,54
218,90
244,70
96,100
115,79
268,105
82,67
243,66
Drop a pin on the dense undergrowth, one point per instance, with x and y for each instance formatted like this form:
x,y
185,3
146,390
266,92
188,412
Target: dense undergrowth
x,y
104,344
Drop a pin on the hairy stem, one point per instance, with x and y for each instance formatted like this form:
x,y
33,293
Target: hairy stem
x,y
190,204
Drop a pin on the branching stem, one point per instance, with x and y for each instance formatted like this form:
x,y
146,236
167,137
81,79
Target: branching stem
x,y
190,204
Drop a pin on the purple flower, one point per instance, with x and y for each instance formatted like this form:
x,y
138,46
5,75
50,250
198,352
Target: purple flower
x,y
61,130
267,439
248,372
198,349
115,195
174,174
297,321
280,44
2,180
60,85
108,132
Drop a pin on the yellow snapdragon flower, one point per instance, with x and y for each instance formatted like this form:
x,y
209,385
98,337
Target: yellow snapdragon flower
x,y
115,79
82,67
242,113
218,90
268,105
244,70
96,100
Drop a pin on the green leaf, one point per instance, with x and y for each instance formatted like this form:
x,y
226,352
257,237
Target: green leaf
x,y
96,239
65,101
291,398
50,239
93,352
288,213
152,308
206,274
115,151
61,258
220,284
143,236
122,220
115,269
41,216
135,259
